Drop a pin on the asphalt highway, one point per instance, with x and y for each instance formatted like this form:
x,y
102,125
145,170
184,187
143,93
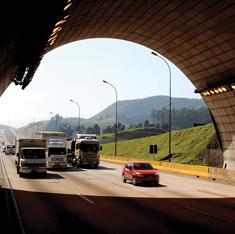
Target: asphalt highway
x,y
84,200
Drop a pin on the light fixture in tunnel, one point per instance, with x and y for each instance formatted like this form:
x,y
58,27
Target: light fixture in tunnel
x,y
213,90
57,27
60,23
66,7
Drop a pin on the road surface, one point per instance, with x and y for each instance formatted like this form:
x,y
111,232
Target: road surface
x,y
97,201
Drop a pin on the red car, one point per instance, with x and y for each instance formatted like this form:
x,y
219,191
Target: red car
x,y
140,172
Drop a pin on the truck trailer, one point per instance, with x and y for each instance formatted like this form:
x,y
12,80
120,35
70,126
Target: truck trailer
x,y
30,156
56,149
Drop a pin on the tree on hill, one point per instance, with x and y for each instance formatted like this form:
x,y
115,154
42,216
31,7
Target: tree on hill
x,y
111,129
93,130
55,123
66,127
146,123
182,118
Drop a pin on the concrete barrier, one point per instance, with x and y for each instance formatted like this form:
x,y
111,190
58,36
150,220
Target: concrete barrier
x,y
193,170
210,173
223,175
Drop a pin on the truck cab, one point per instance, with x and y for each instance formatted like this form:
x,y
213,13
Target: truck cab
x,y
31,157
56,155
56,149
85,151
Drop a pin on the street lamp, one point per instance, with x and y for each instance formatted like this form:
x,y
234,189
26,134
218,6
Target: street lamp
x,y
55,119
78,113
169,101
116,117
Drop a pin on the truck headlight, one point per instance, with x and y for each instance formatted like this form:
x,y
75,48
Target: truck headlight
x,y
23,164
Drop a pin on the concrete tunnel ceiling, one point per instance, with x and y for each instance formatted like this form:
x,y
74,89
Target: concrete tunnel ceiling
x,y
198,36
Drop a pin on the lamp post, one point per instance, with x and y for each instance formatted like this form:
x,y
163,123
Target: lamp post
x,y
116,117
55,120
169,101
78,113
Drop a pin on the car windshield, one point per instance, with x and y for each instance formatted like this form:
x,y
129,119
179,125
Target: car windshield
x,y
143,166
33,153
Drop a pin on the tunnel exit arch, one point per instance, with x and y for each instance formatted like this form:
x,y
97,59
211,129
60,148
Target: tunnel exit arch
x,y
197,36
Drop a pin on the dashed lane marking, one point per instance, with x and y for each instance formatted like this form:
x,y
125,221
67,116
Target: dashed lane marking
x,y
85,198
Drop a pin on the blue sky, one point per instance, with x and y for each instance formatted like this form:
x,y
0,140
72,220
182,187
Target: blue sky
x,y
76,71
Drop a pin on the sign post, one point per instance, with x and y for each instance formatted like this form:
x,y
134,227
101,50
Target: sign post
x,y
153,150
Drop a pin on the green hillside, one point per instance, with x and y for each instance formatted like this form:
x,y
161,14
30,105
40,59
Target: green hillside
x,y
129,112
187,145
138,110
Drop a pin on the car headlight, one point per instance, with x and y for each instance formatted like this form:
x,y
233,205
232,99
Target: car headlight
x,y
139,174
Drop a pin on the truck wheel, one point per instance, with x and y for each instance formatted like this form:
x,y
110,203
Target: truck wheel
x,y
17,170
20,174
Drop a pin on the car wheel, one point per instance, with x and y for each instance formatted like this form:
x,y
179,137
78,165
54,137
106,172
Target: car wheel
x,y
156,183
123,179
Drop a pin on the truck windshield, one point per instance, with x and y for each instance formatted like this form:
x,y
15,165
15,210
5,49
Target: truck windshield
x,y
58,151
10,146
85,147
33,153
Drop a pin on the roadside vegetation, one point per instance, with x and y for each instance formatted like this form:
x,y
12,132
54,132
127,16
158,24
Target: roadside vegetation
x,y
187,145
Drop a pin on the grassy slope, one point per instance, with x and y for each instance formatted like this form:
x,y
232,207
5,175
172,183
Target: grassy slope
x,y
187,145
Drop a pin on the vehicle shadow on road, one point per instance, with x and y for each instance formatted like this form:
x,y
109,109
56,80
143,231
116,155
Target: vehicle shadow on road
x,y
54,176
84,168
73,169
106,168
146,185
48,176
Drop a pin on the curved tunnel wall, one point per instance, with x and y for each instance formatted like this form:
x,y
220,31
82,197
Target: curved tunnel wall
x,y
198,36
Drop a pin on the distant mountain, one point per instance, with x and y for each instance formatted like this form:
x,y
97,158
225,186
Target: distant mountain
x,y
138,110
129,112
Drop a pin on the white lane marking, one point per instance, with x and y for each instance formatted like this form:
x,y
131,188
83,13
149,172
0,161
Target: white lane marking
x,y
19,218
206,213
54,180
85,198
212,193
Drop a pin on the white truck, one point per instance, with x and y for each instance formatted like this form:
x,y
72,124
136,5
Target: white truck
x,y
30,156
56,149
84,150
